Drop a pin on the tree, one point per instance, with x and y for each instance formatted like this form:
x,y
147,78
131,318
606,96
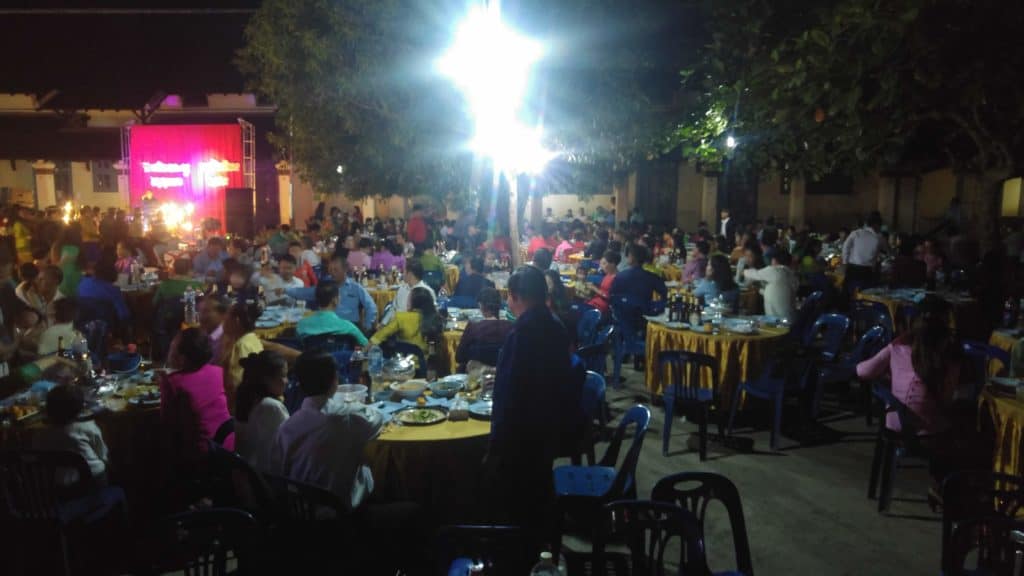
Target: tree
x,y
854,86
360,109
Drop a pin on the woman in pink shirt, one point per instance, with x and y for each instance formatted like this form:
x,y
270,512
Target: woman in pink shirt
x,y
924,367
193,407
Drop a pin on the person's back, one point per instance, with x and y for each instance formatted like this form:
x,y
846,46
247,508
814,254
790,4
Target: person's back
x,y
199,402
64,432
638,284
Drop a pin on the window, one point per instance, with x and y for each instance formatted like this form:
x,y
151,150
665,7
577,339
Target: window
x,y
104,176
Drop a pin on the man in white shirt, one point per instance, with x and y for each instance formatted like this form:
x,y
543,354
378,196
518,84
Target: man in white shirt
x,y
413,279
62,331
781,284
860,254
323,442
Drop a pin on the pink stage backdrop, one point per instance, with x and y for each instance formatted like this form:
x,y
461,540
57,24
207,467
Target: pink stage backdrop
x,y
186,163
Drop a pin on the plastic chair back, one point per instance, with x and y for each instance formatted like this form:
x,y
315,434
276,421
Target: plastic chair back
x,y
832,328
976,494
328,342
909,422
867,314
300,502
586,326
694,491
812,307
979,355
201,542
235,482
996,544
33,483
627,314
686,368
624,484
96,320
170,315
870,343
647,528
594,396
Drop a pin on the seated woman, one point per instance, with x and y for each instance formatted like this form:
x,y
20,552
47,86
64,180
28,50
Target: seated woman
x,y
610,267
718,281
420,325
259,408
924,366
753,259
193,407
484,334
238,342
389,257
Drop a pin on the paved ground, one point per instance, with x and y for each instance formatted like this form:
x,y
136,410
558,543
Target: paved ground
x,y
806,507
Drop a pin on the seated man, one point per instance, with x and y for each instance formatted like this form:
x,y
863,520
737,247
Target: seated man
x,y
352,297
209,262
174,287
323,442
698,263
635,282
62,332
489,332
100,286
326,320
413,278
473,281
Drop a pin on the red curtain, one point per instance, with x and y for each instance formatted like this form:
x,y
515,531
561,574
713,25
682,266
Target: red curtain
x,y
186,163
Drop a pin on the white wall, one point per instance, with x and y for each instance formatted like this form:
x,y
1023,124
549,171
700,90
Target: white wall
x,y
84,195
20,176
560,203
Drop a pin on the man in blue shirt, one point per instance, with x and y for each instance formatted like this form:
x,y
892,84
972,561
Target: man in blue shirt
x,y
210,262
635,282
351,295
100,286
535,397
472,282
326,320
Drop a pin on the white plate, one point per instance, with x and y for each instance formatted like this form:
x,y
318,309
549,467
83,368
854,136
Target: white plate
x,y
267,323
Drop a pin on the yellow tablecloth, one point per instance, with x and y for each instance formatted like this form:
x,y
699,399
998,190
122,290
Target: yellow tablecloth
x,y
1004,341
382,297
436,433
576,257
739,357
451,277
275,332
451,345
1007,415
672,273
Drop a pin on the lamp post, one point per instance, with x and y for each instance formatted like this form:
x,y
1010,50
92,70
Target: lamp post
x,y
491,63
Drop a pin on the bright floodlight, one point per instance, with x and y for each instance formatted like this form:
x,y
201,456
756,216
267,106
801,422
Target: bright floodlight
x,y
491,63
730,142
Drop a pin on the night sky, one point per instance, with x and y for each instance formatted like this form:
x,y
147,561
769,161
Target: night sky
x,y
119,61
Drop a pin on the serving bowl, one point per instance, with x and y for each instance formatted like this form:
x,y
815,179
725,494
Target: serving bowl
x,y
409,389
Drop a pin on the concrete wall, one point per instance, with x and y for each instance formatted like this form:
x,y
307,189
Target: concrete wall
x,y
559,203
18,176
85,195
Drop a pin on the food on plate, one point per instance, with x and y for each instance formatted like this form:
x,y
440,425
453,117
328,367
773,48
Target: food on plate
x,y
421,416
148,390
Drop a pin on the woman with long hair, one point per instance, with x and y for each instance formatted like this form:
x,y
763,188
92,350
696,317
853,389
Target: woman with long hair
x,y
420,325
239,341
924,365
717,281
558,300
258,406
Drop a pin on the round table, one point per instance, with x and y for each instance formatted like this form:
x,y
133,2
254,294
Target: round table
x,y
382,297
1004,340
739,356
1007,417
966,313
439,467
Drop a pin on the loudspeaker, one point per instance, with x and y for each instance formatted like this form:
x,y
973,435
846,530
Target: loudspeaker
x,y
240,212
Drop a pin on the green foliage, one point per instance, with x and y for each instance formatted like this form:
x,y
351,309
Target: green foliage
x,y
859,85
355,86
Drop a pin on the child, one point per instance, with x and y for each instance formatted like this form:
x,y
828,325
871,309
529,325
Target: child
x,y
65,432
125,257
303,270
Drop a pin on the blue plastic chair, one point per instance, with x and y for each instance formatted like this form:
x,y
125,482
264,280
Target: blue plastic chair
x,y
813,306
685,387
594,408
582,491
969,494
891,446
328,342
845,369
586,326
780,378
694,491
832,329
628,317
307,295
596,355
867,314
979,356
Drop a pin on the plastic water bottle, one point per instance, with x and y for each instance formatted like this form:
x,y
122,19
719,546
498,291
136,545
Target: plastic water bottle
x,y
546,567
376,356
190,306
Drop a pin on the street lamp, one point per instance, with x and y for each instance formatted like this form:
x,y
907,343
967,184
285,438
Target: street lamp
x,y
491,63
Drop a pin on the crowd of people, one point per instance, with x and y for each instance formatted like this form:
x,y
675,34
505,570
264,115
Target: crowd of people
x,y
228,384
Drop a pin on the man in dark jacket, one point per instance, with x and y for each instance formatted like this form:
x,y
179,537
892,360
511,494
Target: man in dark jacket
x,y
534,393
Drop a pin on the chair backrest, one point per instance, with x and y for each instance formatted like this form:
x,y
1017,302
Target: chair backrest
x,y
300,502
974,494
593,395
869,344
405,349
812,307
586,326
684,369
867,314
997,544
624,485
979,355
329,342
832,328
235,482
33,483
694,491
198,542
909,422
170,314
649,529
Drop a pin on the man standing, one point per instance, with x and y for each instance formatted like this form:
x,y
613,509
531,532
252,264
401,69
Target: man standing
x,y
351,295
860,254
727,228
416,228
635,282
526,433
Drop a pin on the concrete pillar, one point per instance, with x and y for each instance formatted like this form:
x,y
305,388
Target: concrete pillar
x,y
798,203
631,200
887,200
46,188
709,200
619,192
123,185
286,209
